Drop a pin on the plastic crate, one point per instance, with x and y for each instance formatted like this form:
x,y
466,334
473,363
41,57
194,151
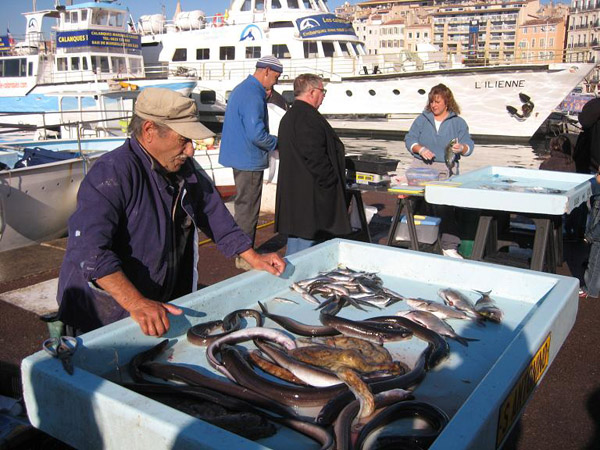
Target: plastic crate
x,y
370,164
428,228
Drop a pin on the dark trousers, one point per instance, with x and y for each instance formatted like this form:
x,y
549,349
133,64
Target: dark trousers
x,y
248,185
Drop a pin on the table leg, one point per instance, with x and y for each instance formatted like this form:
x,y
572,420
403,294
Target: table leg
x,y
481,237
395,221
410,221
543,245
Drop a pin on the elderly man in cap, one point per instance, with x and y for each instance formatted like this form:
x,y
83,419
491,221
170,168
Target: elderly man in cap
x,y
246,142
132,240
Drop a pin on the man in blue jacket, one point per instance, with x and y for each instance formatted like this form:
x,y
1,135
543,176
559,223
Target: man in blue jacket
x,y
246,141
133,244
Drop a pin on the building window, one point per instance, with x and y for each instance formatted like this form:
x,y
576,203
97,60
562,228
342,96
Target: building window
x,y
252,52
180,54
281,51
202,53
226,53
551,42
532,42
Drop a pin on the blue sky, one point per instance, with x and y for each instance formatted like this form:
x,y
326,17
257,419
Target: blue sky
x,y
13,9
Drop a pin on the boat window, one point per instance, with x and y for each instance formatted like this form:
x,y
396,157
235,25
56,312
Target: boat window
x,y
83,15
85,63
135,66
61,64
372,92
30,68
288,96
67,18
396,92
247,5
281,51
208,97
260,5
226,53
281,24
344,49
328,50
74,63
252,52
69,103
180,54
349,93
104,67
293,4
22,67
275,4
310,49
100,17
202,53
118,65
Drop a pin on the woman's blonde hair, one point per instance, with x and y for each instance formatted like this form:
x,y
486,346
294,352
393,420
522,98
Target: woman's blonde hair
x,y
443,91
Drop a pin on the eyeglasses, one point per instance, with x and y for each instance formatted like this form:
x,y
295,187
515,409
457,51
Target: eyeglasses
x,y
324,91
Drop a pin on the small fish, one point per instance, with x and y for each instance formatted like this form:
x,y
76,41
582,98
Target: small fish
x,y
440,310
458,300
434,323
305,295
285,300
449,155
486,307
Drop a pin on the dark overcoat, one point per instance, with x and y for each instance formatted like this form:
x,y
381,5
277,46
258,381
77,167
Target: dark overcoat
x,y
311,194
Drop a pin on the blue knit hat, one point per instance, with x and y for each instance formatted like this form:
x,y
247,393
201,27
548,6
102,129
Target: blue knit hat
x,y
271,62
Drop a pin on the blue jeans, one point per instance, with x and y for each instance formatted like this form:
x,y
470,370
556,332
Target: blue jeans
x,y
296,244
592,234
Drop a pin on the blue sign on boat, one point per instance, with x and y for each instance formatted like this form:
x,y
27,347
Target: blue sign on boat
x,y
4,44
323,25
98,38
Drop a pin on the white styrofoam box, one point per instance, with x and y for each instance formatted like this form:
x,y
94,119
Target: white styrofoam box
x,y
89,410
482,189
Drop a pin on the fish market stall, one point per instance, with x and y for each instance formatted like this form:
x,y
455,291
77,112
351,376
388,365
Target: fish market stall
x,y
481,385
543,196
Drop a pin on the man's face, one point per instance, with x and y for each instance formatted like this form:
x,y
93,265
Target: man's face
x,y
171,149
271,78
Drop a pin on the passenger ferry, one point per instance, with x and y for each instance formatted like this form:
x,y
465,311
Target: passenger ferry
x,y
81,78
372,92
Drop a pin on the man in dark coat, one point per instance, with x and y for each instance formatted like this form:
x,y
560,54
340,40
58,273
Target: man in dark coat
x,y
311,196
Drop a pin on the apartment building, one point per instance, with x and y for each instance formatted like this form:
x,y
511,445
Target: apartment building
x,y
541,39
583,34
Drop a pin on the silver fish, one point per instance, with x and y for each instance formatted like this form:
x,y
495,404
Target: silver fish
x,y
449,155
434,323
458,300
486,307
285,300
440,310
305,295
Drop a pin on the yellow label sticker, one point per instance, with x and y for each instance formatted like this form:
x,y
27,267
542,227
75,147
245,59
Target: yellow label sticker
x,y
522,390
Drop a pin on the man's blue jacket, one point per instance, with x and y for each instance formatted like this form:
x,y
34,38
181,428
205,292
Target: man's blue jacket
x,y
123,221
246,141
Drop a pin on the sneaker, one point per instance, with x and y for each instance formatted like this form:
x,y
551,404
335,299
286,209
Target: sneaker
x,y
583,294
452,253
241,263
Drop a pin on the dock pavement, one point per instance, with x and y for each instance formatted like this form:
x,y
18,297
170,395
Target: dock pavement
x,y
563,412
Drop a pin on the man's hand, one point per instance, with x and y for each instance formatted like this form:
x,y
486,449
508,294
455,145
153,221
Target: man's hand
x,y
269,262
149,314
152,316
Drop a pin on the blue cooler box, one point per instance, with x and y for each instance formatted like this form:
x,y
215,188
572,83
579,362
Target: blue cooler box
x,y
428,228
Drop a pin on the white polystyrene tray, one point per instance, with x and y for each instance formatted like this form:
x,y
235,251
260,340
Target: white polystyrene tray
x,y
466,190
88,410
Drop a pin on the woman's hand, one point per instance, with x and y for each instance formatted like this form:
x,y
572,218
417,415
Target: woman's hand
x,y
460,148
426,154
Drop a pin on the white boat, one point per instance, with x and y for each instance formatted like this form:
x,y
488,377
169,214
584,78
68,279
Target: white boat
x,y
369,92
87,71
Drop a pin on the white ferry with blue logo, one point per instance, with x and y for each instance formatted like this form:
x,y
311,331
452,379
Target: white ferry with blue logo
x,y
81,78
372,92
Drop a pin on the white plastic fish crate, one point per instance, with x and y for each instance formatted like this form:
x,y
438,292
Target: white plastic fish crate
x,y
476,386
472,190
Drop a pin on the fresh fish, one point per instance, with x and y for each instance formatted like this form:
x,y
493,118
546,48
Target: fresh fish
x,y
285,300
304,293
439,309
434,323
486,307
458,300
449,155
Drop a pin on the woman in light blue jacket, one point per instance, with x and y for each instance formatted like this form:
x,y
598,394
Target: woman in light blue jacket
x,y
437,127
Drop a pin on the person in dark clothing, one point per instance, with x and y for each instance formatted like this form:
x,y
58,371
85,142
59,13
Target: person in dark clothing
x,y
311,195
132,243
561,155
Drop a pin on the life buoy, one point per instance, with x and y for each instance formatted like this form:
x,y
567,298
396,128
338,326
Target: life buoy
x,y
218,20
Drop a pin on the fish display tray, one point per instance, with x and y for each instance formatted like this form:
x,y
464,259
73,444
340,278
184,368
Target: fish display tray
x,y
482,387
513,189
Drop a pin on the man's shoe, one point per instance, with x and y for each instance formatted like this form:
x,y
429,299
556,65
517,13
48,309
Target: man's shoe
x,y
452,253
241,263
